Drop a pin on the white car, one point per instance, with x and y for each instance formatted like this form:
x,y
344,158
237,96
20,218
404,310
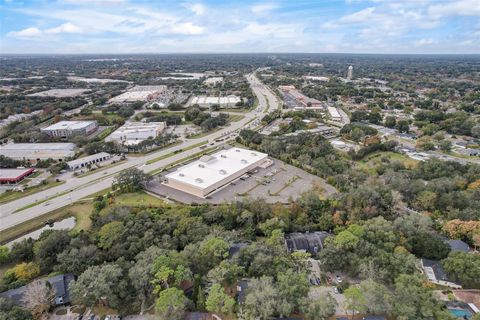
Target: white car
x,y
335,290
339,280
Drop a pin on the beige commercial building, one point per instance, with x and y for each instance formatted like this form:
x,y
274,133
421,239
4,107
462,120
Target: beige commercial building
x,y
210,173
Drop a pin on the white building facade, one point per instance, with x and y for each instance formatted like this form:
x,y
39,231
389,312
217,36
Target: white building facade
x,y
132,133
69,128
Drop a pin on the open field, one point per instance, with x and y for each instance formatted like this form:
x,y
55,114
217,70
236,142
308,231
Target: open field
x,y
137,199
373,160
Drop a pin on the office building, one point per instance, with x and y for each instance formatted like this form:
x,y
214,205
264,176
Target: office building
x,y
69,128
132,133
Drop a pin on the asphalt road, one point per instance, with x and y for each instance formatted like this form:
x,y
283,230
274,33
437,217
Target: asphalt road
x,y
77,188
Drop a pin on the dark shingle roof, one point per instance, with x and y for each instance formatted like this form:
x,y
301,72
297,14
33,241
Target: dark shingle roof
x,y
458,246
436,267
59,283
311,242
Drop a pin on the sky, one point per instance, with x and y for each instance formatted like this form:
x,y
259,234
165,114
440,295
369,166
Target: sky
x,y
212,26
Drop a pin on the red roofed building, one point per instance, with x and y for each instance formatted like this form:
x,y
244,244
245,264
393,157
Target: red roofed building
x,y
14,176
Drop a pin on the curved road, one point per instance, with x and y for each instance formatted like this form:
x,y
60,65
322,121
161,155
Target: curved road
x,y
77,188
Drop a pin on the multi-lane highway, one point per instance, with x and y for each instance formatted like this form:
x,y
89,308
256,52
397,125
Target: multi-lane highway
x,y
77,188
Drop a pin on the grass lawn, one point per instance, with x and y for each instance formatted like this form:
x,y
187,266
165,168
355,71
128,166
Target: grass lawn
x,y
235,117
137,199
13,195
80,210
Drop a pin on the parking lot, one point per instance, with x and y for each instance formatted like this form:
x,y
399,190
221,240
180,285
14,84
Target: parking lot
x,y
279,182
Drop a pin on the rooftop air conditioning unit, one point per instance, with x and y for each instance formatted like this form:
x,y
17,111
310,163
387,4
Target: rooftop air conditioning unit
x,y
181,175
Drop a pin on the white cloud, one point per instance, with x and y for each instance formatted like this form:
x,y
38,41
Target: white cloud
x,y
425,42
456,7
65,28
197,8
93,2
187,28
263,7
25,33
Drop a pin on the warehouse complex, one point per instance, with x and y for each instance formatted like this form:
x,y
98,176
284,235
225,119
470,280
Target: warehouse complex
x,y
211,172
294,99
34,152
14,176
70,128
132,133
139,93
223,102
88,160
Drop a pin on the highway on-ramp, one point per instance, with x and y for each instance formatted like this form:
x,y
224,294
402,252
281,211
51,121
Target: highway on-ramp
x,y
76,188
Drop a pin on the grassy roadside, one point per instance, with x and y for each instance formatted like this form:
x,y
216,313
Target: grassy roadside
x,y
38,222
111,165
204,134
173,153
13,195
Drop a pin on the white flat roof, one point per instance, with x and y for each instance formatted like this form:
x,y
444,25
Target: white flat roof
x,y
95,156
69,125
131,127
333,112
38,146
211,169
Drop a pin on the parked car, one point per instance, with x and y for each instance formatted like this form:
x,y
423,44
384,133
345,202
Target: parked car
x,y
339,280
335,290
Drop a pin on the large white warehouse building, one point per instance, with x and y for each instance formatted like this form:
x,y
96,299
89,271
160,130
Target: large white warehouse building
x,y
132,133
208,174
70,128
38,151
223,102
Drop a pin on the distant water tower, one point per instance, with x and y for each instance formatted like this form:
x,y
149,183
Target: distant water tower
x,y
350,73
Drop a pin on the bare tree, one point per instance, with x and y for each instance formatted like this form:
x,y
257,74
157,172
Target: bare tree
x,y
38,298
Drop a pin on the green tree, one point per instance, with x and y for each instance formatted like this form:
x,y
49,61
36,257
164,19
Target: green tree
x,y
445,145
171,304
403,126
130,180
109,234
261,299
320,309
226,271
48,246
292,287
4,255
77,260
355,300
218,301
412,300
390,122
141,274
377,297
10,311
464,268
105,282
